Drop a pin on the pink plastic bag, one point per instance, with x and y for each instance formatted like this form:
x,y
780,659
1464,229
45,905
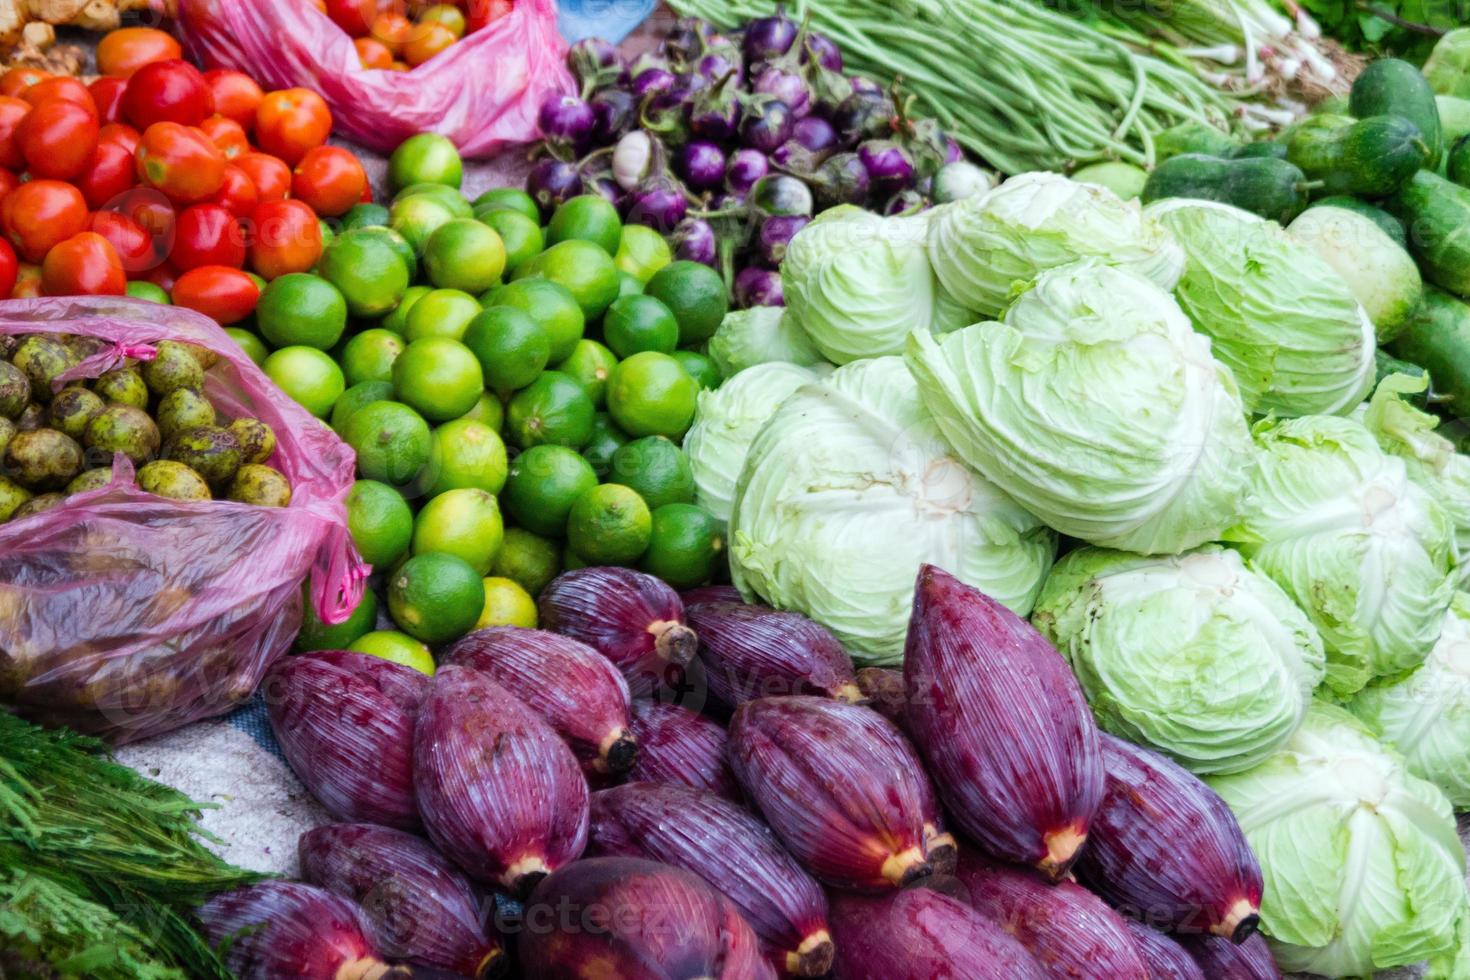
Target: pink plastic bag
x,y
125,614
483,92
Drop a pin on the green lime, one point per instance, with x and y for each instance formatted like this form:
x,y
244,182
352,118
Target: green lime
x,y
441,313
521,236
696,294
447,196
650,394
606,438
464,254
425,158
701,367
508,199
397,647
527,559
686,545
551,305
250,343
365,216
465,523
639,323
585,269
591,364
641,252
588,218
543,483
418,216
466,455
380,522
656,469
552,409
436,597
507,604
329,235
489,411
301,309
396,242
439,377
369,356
317,635
609,525
355,397
142,289
368,271
628,285
397,321
512,347
391,440
309,376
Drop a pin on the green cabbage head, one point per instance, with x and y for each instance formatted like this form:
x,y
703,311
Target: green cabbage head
x,y
984,246
858,283
1281,318
1098,408
1426,715
1362,867
1197,655
759,335
848,489
1364,550
726,423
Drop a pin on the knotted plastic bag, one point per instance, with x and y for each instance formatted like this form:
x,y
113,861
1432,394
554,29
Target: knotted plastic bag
x,y
125,614
482,92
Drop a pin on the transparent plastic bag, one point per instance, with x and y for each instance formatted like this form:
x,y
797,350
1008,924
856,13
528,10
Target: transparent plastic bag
x,y
124,614
483,92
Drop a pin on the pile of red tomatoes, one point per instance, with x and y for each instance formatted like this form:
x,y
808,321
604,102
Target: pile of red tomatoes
x,y
195,183
403,34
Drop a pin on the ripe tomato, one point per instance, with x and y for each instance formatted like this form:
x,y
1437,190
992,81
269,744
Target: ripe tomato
x,y
40,213
84,265
167,91
372,53
180,161
353,16
58,139
392,30
286,238
17,80
110,172
290,122
12,114
478,13
237,194
9,268
271,177
427,41
138,250
227,134
236,96
122,134
8,182
225,294
107,94
207,234
330,180
61,87
27,282
122,52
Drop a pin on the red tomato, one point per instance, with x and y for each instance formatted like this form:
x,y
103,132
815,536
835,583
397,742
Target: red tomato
x,y
478,13
27,282
167,91
330,180
286,238
180,161
207,234
271,177
17,80
122,134
109,173
353,16
427,41
8,182
237,194
58,138
373,53
61,87
225,294
227,134
12,113
122,52
107,94
290,122
9,268
236,96
137,249
84,265
40,213
392,30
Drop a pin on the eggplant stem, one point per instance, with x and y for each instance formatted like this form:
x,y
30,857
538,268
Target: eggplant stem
x,y
907,866
1062,847
813,958
1239,922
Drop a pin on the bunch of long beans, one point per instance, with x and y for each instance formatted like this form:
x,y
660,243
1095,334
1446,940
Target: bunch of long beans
x,y
1022,86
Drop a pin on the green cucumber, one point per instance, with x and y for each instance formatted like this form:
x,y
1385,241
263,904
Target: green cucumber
x,y
1265,186
1392,87
1391,226
1372,157
1457,162
1192,137
1438,338
1260,148
1436,213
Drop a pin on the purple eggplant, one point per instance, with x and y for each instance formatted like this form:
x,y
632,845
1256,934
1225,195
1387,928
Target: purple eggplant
x,y
889,165
608,188
786,85
565,119
841,179
767,123
652,81
636,157
659,203
701,164
821,50
814,133
884,691
614,112
744,168
678,747
863,85
752,652
905,202
1220,959
595,63
552,181
770,37
686,39
865,115
755,286
776,233
694,240
417,906
1166,959
781,194
710,593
